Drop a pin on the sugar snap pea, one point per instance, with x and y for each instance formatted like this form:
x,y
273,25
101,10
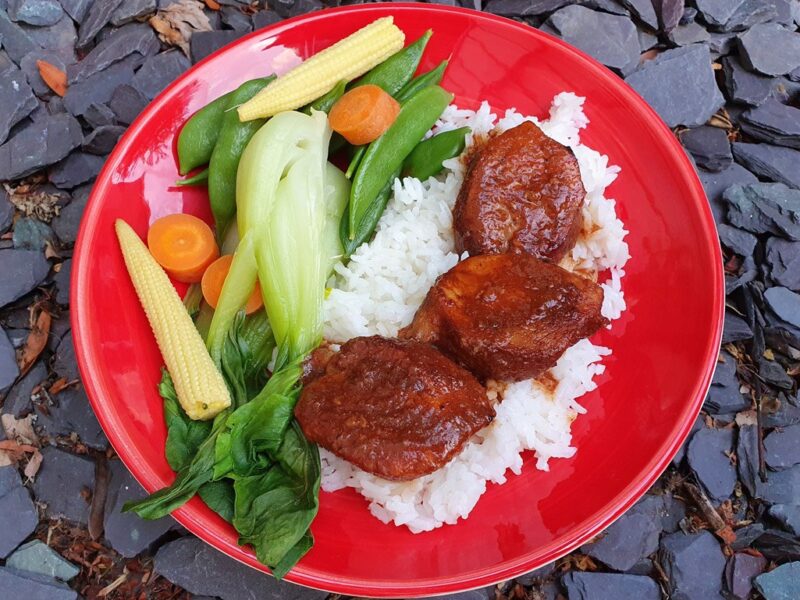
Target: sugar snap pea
x,y
326,102
397,70
368,222
427,158
200,179
427,79
233,137
198,136
385,155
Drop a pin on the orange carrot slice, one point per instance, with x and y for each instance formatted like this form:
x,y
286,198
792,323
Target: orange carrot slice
x,y
184,245
363,114
214,278
55,78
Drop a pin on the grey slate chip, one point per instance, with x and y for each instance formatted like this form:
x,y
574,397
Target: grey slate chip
x,y
77,168
97,17
781,487
35,12
784,303
717,12
23,270
60,483
262,18
782,583
132,9
195,566
739,241
609,586
102,140
782,448
773,122
743,85
506,8
121,43
38,558
58,38
739,574
708,458
774,374
66,224
8,362
775,163
783,258
749,13
670,13
777,545
680,85
76,9
21,584
126,532
235,19
724,396
770,49
611,39
71,413
204,43
788,515
16,41
31,234
158,72
628,540
747,457
644,11
31,70
98,88
693,565
64,363
709,146
18,400
782,412
16,98
691,33
18,517
764,208
38,145
61,279
127,103
721,43
99,115
716,183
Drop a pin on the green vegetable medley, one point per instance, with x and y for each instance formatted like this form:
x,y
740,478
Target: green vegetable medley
x,y
288,215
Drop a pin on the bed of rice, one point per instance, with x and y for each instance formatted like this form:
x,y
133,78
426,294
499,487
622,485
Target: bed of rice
x,y
384,283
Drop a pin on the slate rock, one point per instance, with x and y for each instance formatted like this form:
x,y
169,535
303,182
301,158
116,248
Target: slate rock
x,y
301,7
739,574
689,15
61,280
783,258
127,103
99,87
18,400
750,13
99,115
721,43
31,234
782,448
646,40
204,43
132,9
35,12
773,122
644,11
743,85
70,413
31,70
784,303
778,545
59,327
97,17
23,270
127,533
781,412
58,38
674,512
770,49
61,483
8,362
774,374
77,168
764,208
611,39
717,12
158,72
16,41
746,535
235,19
680,85
681,453
66,224
196,567
16,98
6,211
64,363
609,586
670,13
781,487
38,145
693,565
626,541
138,38
782,583
692,33
537,574
747,457
724,396
21,584
262,18
709,146
102,140
716,183
788,515
770,162
708,460
739,241
76,9
18,517
506,8
37,557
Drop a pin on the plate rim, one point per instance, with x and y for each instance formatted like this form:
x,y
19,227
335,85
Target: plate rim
x,y
89,365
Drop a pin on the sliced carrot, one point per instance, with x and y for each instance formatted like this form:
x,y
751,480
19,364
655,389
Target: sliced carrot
x,y
214,278
363,114
184,245
55,78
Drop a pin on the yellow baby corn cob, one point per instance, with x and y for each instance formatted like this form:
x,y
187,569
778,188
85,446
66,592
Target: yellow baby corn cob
x,y
200,387
346,59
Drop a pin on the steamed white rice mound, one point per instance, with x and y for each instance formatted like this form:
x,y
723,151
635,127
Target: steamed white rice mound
x,y
380,289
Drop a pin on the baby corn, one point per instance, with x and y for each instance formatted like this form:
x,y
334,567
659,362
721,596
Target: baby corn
x,y
346,59
200,387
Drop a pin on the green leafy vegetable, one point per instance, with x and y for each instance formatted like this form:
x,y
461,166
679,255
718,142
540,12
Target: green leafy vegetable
x,y
184,435
220,497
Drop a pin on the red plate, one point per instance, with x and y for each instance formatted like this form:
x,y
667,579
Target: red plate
x,y
665,345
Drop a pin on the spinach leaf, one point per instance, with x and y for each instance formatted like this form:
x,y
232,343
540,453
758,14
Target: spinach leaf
x,y
274,510
219,497
245,355
184,435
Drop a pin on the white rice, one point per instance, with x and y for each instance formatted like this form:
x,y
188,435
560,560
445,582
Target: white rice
x,y
384,283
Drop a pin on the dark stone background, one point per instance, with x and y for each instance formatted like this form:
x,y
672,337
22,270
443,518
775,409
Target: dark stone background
x,y
723,521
